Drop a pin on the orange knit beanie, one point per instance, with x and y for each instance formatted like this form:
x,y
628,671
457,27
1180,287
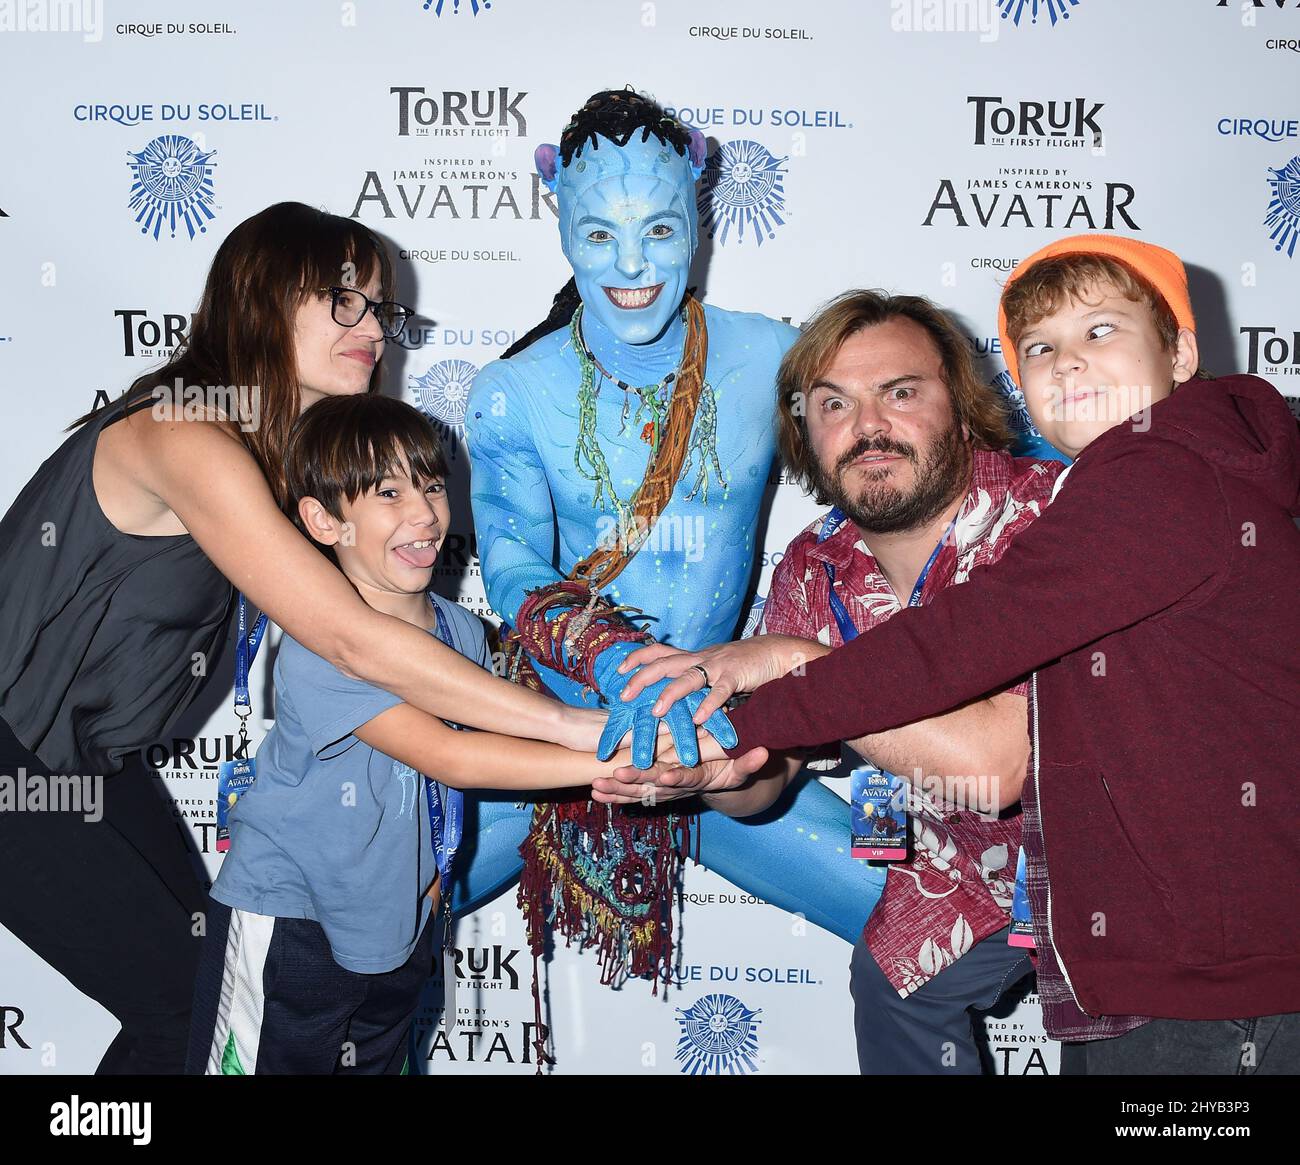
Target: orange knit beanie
x,y
1162,269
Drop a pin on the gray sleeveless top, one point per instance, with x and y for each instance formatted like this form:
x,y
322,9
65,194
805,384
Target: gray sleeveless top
x,y
98,629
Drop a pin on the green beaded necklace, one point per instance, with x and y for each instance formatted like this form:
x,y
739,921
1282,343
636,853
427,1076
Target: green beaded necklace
x,y
653,398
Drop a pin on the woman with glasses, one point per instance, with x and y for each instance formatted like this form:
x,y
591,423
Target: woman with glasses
x,y
119,563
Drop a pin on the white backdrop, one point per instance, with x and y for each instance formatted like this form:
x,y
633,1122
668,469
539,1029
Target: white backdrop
x,y
917,145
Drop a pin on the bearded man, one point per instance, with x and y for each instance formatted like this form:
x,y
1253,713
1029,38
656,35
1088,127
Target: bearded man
x,y
882,417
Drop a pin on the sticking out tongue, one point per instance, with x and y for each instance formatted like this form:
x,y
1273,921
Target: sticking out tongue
x,y
420,559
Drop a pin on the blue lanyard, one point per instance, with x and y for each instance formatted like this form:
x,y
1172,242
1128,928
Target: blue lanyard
x,y
446,806
848,631
245,652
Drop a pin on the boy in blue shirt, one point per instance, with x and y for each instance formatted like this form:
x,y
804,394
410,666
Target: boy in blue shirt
x,y
319,937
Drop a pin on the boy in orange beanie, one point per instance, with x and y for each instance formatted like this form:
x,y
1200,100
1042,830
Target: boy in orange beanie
x,y
1127,302
1154,604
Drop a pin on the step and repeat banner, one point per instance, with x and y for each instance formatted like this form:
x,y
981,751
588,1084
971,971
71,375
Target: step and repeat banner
x,y
920,146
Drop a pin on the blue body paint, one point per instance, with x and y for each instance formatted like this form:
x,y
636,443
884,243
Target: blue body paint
x,y
628,223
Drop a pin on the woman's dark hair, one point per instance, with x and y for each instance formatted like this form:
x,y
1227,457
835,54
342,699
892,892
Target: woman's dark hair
x,y
243,330
615,114
344,446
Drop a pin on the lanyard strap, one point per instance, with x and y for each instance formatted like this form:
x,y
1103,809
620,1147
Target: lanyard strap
x,y
246,645
245,653
848,630
446,806
915,600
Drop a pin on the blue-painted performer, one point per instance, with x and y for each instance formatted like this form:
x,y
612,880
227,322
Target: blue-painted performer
x,y
637,425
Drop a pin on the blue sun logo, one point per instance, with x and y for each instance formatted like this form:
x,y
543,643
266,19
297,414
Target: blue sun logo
x,y
1284,207
456,7
719,1036
1014,10
442,394
172,186
742,190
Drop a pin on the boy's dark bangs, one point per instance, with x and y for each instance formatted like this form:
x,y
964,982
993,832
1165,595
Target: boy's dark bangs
x,y
380,455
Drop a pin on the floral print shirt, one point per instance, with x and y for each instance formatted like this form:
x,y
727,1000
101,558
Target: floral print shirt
x,y
955,889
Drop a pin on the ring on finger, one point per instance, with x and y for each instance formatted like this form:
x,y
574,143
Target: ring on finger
x,y
699,667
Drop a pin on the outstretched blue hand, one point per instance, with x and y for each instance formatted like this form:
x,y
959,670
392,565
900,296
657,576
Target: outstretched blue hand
x,y
635,714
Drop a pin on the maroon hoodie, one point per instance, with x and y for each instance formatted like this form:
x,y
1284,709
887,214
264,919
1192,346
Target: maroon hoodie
x,y
1156,597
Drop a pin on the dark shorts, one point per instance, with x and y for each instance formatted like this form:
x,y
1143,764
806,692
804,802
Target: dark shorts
x,y
270,1000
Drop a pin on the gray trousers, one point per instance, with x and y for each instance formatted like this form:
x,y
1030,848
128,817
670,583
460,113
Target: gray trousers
x,y
931,1032
1267,1046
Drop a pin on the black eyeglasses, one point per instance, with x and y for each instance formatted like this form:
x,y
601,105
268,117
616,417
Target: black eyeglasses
x,y
348,307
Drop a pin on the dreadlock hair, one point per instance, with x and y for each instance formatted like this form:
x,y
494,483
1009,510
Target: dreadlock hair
x,y
615,114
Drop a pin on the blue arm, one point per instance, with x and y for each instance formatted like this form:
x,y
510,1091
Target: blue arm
x,y
514,517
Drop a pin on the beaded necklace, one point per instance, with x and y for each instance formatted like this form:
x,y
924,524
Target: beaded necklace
x,y
654,398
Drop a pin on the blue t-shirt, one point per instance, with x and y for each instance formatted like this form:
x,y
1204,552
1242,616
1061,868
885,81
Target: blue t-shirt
x,y
331,829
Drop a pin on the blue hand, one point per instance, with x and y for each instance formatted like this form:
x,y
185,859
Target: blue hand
x,y
635,714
